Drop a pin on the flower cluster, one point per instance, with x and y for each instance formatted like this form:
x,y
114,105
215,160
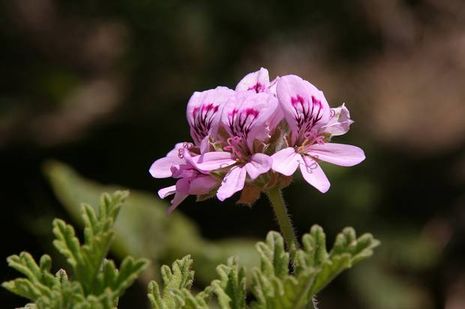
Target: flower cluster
x,y
254,138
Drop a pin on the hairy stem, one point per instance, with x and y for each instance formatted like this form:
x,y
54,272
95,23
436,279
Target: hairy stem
x,y
277,202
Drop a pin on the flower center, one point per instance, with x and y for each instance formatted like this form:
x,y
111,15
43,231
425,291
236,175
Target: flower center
x,y
238,148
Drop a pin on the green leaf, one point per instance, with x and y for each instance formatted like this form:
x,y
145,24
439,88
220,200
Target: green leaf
x,y
96,283
177,280
275,287
230,289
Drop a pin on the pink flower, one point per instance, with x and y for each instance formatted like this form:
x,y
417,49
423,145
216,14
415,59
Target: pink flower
x,y
310,121
181,165
254,138
245,118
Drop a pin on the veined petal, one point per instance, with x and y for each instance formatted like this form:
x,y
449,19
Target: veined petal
x,y
162,193
256,81
313,174
339,154
339,122
202,184
204,112
248,115
214,160
232,183
286,161
304,106
259,164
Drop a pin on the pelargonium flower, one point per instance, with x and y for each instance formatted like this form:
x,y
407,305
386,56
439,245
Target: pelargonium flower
x,y
245,119
179,164
254,138
311,123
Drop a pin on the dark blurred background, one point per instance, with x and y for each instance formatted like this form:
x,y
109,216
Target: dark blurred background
x,y
103,85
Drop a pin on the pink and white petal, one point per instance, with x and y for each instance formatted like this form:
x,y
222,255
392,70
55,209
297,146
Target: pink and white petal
x,y
339,154
286,161
232,183
202,184
162,167
339,123
257,81
259,164
183,185
164,192
178,199
205,144
314,175
214,160
291,87
204,111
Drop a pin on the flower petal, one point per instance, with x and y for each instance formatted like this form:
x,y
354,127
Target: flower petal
x,y
164,192
248,115
202,184
339,123
204,112
178,199
339,154
304,106
313,174
256,81
161,168
232,182
259,164
211,161
285,161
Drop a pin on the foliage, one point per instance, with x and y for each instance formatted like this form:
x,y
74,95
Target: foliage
x,y
279,282
94,281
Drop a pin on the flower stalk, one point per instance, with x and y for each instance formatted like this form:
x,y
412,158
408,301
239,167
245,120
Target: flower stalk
x,y
284,221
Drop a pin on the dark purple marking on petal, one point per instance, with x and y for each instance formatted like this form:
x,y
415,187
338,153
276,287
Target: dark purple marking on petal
x,y
307,114
203,117
258,87
241,121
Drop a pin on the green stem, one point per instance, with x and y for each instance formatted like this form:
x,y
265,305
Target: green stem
x,y
277,202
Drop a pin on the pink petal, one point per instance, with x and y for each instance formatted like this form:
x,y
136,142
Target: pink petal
x,y
339,154
211,161
202,184
313,174
339,123
257,81
286,161
232,183
162,167
162,193
292,87
178,199
204,112
259,164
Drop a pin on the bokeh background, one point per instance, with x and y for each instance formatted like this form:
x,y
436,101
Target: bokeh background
x,y
103,85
